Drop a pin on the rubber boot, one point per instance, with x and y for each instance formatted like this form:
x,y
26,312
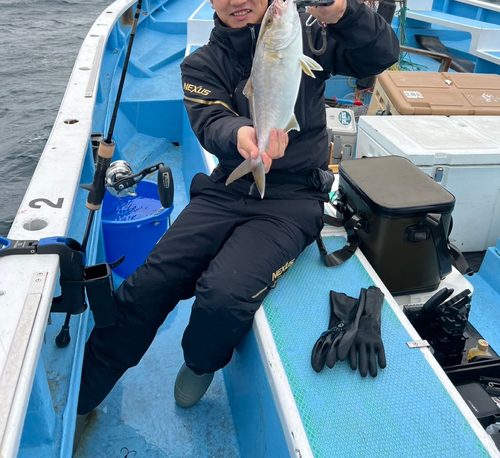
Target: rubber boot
x,y
190,387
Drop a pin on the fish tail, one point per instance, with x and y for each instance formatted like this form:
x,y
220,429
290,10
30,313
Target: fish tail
x,y
258,171
259,175
244,168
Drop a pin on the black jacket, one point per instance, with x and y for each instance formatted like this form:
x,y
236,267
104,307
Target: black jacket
x,y
361,44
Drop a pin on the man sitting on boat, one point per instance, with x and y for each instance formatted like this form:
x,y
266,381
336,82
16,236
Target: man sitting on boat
x,y
229,246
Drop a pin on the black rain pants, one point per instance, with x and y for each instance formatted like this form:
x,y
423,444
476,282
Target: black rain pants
x,y
227,249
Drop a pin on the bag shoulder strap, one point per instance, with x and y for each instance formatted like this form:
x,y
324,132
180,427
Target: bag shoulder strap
x,y
338,257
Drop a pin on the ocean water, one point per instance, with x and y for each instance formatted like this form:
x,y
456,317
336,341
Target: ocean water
x,y
39,42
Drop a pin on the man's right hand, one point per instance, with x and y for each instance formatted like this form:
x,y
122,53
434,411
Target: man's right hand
x,y
247,145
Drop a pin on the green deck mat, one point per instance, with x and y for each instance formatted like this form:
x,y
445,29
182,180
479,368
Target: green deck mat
x,y
404,412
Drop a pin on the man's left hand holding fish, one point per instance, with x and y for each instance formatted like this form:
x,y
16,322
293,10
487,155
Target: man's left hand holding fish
x,y
247,145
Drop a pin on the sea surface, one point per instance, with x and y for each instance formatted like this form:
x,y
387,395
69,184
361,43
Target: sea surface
x,y
39,42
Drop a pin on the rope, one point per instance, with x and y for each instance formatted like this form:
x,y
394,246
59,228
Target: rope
x,y
309,23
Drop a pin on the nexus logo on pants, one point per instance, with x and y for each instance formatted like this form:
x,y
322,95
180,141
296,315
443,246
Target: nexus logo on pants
x,y
282,270
275,277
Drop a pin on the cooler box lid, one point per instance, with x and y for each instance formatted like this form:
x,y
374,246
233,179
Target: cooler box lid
x,y
485,127
393,187
433,93
433,140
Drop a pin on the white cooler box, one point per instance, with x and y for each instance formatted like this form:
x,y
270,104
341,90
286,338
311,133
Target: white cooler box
x,y
460,152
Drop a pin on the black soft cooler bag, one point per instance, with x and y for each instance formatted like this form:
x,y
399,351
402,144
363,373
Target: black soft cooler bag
x,y
401,219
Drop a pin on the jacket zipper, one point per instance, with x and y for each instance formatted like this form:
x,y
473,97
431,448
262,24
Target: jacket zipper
x,y
252,33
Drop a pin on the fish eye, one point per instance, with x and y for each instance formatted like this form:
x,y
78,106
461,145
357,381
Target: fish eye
x,y
269,21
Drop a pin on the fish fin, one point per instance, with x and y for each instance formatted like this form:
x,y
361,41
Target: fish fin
x,y
293,124
308,65
248,89
244,168
273,56
259,175
258,172
248,93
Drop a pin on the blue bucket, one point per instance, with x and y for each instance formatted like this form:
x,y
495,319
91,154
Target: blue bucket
x,y
132,226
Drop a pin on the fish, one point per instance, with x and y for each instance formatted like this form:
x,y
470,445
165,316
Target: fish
x,y
274,82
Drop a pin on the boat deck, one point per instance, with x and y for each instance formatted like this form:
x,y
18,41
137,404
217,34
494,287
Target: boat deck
x,y
268,402
365,414
245,411
140,413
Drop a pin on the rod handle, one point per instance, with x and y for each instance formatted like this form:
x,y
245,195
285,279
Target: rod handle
x,y
97,188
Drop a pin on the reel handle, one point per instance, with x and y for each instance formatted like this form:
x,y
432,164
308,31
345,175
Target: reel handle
x,y
165,186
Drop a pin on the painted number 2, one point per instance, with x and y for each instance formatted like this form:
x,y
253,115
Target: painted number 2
x,y
35,203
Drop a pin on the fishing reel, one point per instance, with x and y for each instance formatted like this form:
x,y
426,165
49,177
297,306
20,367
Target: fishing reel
x,y
117,176
122,182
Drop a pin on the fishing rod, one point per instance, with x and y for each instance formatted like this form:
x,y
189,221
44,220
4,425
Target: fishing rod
x,y
104,155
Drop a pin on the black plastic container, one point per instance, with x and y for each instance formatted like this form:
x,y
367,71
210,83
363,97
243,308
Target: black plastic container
x,y
483,373
405,221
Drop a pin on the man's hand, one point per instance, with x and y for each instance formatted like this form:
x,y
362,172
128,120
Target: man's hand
x,y
247,145
329,14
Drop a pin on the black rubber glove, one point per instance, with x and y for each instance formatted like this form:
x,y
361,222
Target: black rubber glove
x,y
335,342
368,341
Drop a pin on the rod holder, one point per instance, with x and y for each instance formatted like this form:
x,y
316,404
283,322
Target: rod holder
x,y
99,285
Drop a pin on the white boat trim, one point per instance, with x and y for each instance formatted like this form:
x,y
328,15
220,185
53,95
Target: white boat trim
x,y
481,4
291,422
426,5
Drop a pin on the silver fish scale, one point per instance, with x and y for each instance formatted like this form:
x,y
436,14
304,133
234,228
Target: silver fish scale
x,y
276,78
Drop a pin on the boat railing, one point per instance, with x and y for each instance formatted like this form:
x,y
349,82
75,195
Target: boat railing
x,y
445,61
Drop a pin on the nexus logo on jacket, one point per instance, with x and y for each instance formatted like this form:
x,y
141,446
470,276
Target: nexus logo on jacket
x,y
196,89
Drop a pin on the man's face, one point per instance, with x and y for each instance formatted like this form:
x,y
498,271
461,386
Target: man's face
x,y
239,13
